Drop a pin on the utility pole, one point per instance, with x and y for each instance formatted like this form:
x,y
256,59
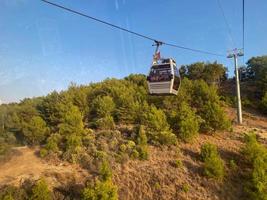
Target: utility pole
x,y
235,54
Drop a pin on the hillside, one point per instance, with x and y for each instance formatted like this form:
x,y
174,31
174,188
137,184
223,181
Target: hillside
x,y
111,140
156,178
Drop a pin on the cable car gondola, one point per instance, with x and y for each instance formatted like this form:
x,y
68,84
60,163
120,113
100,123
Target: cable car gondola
x,y
163,78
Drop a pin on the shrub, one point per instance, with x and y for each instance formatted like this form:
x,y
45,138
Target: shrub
x,y
158,129
35,131
103,106
213,164
142,143
106,122
52,143
102,190
207,102
105,171
177,163
40,191
43,153
263,104
13,193
233,165
187,123
207,150
8,197
185,187
256,155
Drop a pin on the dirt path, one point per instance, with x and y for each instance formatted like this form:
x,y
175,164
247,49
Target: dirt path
x,y
27,165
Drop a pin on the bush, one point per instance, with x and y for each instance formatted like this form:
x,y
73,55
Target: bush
x,y
13,193
103,106
106,123
187,123
35,131
157,127
256,155
207,102
43,153
263,104
142,144
52,143
40,191
185,187
102,190
207,150
177,163
105,171
213,164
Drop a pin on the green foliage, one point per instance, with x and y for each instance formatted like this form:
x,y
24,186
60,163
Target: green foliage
x,y
35,131
52,143
187,123
102,190
72,122
213,164
105,123
40,191
233,165
256,155
263,104
158,128
8,197
103,106
207,103
257,72
43,153
208,150
105,171
13,193
185,188
177,163
209,72
142,143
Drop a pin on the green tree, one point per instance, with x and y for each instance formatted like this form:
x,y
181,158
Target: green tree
x,y
213,164
103,106
35,131
186,123
256,155
41,191
158,128
72,122
257,67
264,103
208,105
142,143
102,190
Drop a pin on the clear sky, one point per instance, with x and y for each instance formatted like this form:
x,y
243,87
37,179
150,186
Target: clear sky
x,y
43,48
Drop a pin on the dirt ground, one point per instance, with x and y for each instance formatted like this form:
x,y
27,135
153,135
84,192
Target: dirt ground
x,y
156,178
27,165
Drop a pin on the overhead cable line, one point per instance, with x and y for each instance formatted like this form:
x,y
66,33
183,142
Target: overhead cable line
x,y
226,22
243,24
131,32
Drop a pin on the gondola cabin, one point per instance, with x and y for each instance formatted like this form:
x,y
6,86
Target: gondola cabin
x,y
163,78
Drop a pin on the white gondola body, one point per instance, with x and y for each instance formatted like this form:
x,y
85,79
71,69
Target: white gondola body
x,y
163,87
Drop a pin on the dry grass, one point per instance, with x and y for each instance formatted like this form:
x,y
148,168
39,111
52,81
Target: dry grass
x,y
156,178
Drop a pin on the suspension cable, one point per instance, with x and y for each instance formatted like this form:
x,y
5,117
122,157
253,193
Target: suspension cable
x,y
131,32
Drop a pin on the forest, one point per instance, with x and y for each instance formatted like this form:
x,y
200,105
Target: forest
x,y
98,125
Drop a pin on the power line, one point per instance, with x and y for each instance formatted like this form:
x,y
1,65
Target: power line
x,y
243,25
129,31
226,22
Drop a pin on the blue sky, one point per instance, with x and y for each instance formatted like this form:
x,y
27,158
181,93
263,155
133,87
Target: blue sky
x,y
43,48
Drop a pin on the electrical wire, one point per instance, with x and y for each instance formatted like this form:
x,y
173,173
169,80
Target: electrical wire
x,y
226,22
131,32
243,25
